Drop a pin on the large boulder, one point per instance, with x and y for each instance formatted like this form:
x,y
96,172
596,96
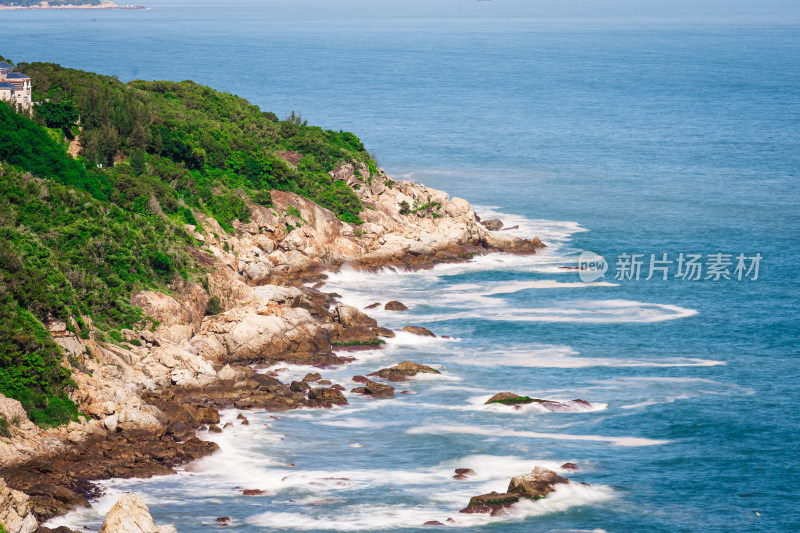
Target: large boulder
x,y
348,315
49,500
375,390
419,330
536,485
401,371
394,305
16,510
139,419
493,224
131,515
11,409
326,397
509,398
160,306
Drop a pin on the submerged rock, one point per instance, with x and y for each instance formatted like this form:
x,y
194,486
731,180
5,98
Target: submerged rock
x,y
394,305
571,467
493,503
418,330
572,406
401,371
383,332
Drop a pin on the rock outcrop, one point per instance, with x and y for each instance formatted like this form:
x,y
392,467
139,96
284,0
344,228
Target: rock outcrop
x,y
512,399
146,394
16,513
404,370
375,389
538,484
419,330
131,515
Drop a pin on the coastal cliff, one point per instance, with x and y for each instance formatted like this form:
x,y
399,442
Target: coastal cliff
x,y
249,292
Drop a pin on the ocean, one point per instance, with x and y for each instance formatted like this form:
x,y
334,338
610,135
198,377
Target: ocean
x,y
621,129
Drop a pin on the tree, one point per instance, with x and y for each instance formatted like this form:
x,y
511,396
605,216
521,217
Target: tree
x,y
62,115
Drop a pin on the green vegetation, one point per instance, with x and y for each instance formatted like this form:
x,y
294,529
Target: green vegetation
x,y
58,115
372,342
212,149
28,146
517,400
428,208
79,236
214,307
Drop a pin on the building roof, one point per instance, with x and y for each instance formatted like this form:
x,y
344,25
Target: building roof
x,y
16,76
3,64
6,85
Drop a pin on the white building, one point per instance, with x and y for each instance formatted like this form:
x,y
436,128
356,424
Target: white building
x,y
15,86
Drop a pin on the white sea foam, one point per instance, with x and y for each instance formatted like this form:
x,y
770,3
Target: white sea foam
x,y
588,311
501,432
554,356
366,517
354,423
478,403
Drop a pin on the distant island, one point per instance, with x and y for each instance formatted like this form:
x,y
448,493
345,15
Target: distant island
x,y
63,4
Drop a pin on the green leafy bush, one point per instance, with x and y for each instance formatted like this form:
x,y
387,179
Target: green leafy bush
x,y
213,307
57,115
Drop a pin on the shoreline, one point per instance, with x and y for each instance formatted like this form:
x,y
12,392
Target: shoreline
x,y
147,396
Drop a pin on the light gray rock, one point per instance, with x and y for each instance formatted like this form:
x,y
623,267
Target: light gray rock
x,y
111,422
226,373
131,515
16,510
11,409
348,315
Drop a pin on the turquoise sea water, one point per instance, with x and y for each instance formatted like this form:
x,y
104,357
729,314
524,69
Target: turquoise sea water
x,y
616,129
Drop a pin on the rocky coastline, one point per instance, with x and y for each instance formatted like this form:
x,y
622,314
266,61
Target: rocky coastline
x,y
145,397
